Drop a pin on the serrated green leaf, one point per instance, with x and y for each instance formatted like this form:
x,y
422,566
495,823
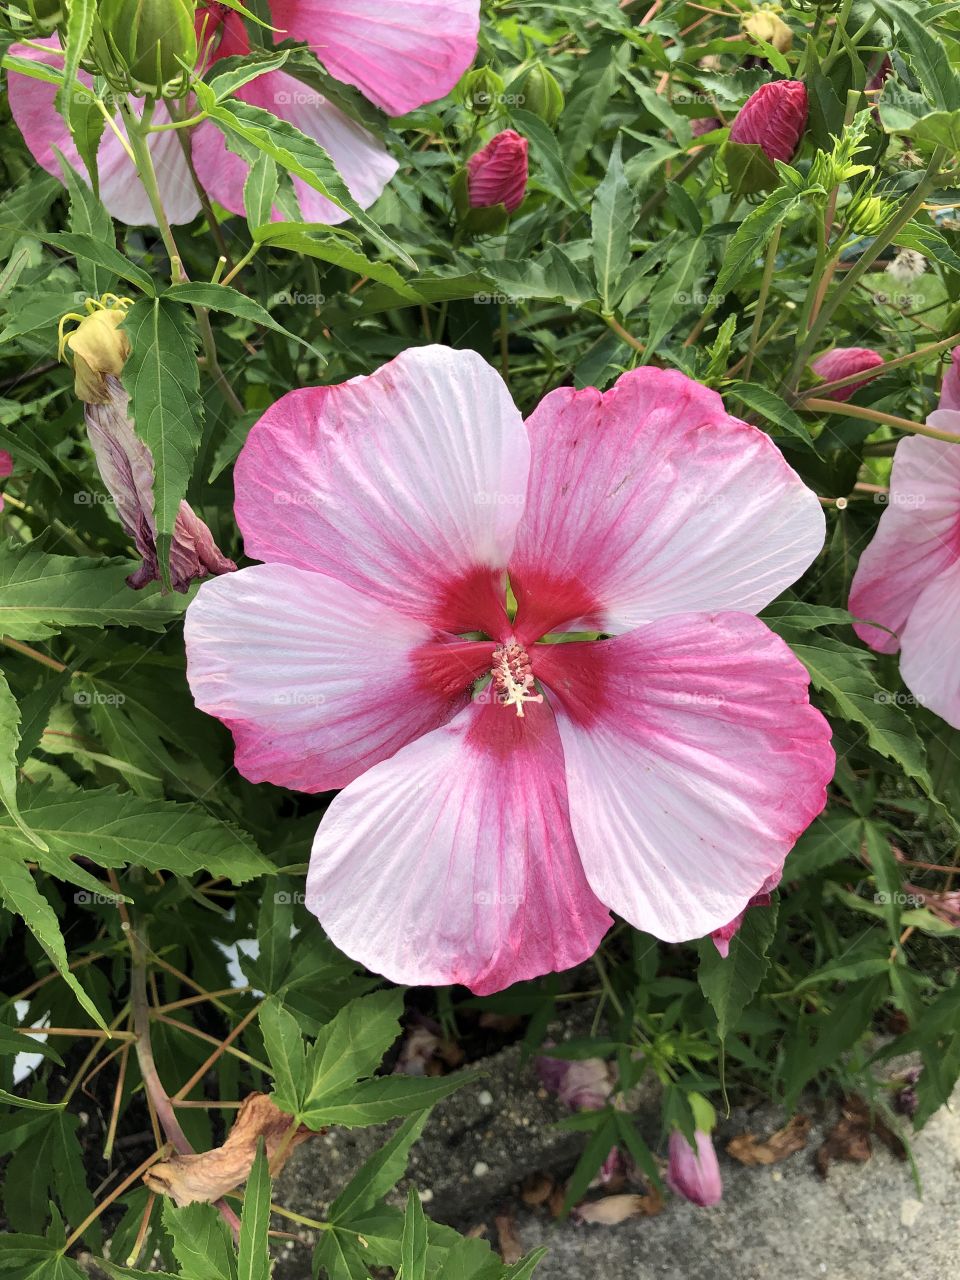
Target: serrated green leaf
x,y
315,240
287,1054
101,254
253,1254
730,983
613,216
929,58
772,407
163,380
202,1241
221,297
750,238
9,743
22,897
88,217
382,1099
113,828
380,1173
413,1242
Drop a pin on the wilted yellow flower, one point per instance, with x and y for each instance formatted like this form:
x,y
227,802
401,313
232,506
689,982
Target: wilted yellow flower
x,y
98,345
767,26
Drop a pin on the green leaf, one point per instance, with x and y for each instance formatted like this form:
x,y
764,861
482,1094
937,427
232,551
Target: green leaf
x,y
227,75
287,1054
382,1099
24,899
843,673
339,1254
50,1164
750,238
163,381
929,58
113,828
80,17
88,217
220,297
41,594
831,839
98,253
253,1258
202,1241
550,169
413,1243
613,216
771,407
260,191
380,1173
730,984
594,1153
673,293
888,876
9,743
525,1268
30,1104
553,275
315,240
299,155
351,1046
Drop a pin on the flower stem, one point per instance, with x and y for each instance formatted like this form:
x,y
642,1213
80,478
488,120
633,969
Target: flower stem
x,y
874,415
765,283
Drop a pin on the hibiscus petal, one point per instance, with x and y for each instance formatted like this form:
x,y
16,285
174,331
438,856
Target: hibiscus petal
x,y
930,653
455,862
399,55
651,500
43,128
918,536
406,485
315,681
694,761
364,163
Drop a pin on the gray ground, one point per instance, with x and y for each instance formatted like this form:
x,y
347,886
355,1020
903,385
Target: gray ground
x,y
863,1222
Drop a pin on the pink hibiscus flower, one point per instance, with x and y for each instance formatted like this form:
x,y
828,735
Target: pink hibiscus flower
x,y
908,578
399,56
483,833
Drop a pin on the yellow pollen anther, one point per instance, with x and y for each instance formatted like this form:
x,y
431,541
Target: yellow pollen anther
x,y
513,677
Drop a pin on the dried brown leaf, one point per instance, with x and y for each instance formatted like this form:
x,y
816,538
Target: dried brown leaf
x,y
537,1189
211,1174
749,1149
613,1209
508,1242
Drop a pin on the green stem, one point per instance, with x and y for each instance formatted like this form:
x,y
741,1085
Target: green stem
x,y
822,389
768,270
863,264
874,415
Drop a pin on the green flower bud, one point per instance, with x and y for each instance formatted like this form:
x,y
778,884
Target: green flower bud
x,y
148,41
480,91
868,215
542,94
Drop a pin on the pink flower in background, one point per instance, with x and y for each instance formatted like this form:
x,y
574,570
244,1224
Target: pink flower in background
x,y
840,363
498,172
774,118
695,1175
483,833
399,56
6,469
126,468
908,578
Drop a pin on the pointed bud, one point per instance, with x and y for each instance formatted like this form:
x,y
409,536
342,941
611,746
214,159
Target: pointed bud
x,y
147,42
497,173
480,91
950,391
98,345
768,27
542,94
694,1174
840,363
774,118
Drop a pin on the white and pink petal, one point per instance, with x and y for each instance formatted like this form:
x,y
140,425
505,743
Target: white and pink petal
x,y
917,539
930,646
650,500
406,485
399,55
32,105
694,760
454,861
316,682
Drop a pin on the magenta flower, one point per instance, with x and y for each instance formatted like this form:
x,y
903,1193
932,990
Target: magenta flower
x,y
840,363
6,469
498,172
126,468
483,832
723,936
695,1175
774,118
908,578
399,56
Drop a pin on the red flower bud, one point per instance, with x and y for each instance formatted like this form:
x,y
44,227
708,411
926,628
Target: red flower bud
x,y
950,391
695,1175
774,118
6,469
497,174
840,363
